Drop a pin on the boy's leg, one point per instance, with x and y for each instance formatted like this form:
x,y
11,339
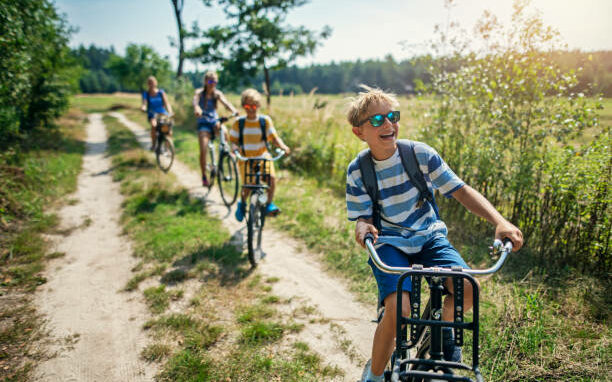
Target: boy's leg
x,y
272,209
384,337
271,188
440,253
449,300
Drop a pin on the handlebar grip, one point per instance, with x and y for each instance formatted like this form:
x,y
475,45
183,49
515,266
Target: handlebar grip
x,y
223,119
368,236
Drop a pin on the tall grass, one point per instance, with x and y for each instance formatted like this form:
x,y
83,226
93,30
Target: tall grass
x,y
534,319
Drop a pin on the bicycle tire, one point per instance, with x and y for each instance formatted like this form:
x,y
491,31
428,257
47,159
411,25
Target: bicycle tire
x,y
210,170
227,175
164,154
255,230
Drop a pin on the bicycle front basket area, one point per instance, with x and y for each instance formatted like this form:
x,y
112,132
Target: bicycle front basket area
x,y
165,128
257,171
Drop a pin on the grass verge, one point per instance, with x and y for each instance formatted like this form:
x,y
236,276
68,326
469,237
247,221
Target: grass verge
x,y
212,317
50,157
536,324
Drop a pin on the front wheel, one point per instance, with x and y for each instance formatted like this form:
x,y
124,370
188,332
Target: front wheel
x,y
228,178
255,225
164,153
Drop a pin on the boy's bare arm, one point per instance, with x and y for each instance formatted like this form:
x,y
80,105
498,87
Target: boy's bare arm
x,y
279,143
477,204
362,227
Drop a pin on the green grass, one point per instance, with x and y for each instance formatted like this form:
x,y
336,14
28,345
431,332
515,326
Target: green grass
x,y
537,324
230,326
34,179
98,103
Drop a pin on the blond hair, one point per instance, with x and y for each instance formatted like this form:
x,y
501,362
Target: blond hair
x,y
211,74
250,96
359,105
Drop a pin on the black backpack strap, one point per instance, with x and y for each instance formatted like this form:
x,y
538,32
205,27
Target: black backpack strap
x,y
368,177
241,121
411,165
264,133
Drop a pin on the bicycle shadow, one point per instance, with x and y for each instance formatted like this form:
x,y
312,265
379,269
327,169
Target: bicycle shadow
x,y
226,263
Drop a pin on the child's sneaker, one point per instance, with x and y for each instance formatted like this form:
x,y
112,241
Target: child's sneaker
x,y
272,209
205,182
240,210
451,351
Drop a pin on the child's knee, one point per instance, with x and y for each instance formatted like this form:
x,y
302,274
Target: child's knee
x,y
391,306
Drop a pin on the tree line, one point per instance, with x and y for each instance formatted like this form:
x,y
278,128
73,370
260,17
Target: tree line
x,y
101,74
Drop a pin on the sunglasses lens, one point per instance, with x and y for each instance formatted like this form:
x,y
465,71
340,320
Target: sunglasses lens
x,y
377,120
393,116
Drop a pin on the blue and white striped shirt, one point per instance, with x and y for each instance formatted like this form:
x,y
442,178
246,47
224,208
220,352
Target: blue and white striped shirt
x,y
404,226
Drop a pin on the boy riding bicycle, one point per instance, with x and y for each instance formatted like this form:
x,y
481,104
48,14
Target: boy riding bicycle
x,y
409,229
251,135
205,109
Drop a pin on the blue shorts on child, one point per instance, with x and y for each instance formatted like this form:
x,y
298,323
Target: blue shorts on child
x,y
437,252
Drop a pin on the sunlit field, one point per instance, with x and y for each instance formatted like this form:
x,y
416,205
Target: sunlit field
x,y
533,322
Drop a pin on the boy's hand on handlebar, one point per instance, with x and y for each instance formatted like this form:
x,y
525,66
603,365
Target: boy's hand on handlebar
x,y
285,148
143,108
510,231
197,111
361,229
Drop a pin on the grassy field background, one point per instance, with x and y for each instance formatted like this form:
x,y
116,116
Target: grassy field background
x,y
535,325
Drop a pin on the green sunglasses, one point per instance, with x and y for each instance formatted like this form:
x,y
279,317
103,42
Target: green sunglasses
x,y
378,119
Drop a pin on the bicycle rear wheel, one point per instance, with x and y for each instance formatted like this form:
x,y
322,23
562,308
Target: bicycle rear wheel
x,y
210,171
164,154
228,178
255,225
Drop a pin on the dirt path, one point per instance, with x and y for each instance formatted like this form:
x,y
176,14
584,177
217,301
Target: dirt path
x,y
301,277
96,329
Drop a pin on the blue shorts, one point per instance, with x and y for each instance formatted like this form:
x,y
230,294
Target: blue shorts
x,y
207,126
151,114
437,252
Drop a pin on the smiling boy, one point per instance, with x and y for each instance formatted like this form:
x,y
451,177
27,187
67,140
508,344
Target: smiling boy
x,y
409,230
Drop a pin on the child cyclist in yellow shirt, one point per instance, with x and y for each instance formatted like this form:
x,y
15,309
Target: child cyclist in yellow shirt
x,y
254,126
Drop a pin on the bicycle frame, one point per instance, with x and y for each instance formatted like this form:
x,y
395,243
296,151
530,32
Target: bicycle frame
x,y
432,316
255,172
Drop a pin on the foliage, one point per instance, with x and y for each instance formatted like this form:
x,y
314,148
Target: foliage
x,y
96,77
506,121
140,62
37,72
257,39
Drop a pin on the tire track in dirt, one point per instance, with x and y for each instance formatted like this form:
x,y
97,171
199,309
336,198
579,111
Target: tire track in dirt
x,y
301,278
96,329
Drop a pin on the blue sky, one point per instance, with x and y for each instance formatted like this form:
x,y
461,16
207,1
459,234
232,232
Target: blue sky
x,y
361,29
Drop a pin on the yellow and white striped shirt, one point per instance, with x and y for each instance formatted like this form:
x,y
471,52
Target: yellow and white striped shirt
x,y
251,135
